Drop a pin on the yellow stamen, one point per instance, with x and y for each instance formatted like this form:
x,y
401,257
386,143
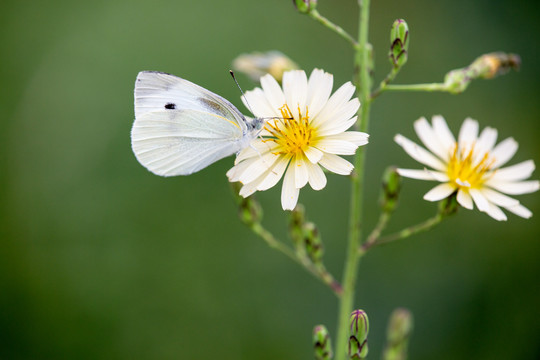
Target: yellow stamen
x,y
294,136
464,173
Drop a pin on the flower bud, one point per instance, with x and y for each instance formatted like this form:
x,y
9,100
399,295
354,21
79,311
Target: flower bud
x,y
305,6
397,339
391,183
257,64
486,66
490,65
313,243
249,210
399,43
359,328
322,343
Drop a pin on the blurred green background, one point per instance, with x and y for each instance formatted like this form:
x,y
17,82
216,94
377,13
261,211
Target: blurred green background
x,y
100,259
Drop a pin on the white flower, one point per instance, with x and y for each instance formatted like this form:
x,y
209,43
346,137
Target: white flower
x,y
305,127
470,166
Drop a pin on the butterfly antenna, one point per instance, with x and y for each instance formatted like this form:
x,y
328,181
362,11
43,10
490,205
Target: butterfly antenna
x,y
239,88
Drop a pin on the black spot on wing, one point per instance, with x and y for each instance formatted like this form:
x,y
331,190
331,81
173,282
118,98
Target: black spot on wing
x,y
170,106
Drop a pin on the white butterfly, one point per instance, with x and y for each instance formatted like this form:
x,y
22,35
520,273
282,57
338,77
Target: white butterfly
x,y
181,128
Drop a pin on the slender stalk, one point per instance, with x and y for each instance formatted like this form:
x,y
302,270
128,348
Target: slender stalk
x,y
362,80
319,272
416,87
337,29
405,233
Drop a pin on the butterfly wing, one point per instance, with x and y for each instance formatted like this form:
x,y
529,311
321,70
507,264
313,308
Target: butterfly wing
x,y
156,91
181,142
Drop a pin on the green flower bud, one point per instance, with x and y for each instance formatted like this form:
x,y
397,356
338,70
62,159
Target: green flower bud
x,y
313,243
399,43
391,183
297,220
399,330
257,64
322,343
249,210
305,6
359,328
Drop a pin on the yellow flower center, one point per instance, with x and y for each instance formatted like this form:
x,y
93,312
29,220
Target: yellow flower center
x,y
466,173
292,135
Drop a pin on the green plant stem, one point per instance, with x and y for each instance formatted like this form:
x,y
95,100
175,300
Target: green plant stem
x,y
405,233
337,29
416,87
318,271
387,80
376,233
362,80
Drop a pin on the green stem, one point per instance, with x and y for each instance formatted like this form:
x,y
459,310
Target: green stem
x,y
362,80
376,233
319,272
416,87
405,233
337,29
387,80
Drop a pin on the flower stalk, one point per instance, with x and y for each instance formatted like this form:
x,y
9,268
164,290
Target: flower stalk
x,y
362,80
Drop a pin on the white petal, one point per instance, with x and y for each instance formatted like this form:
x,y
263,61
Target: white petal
x,y
238,170
247,190
336,101
356,137
256,101
416,174
495,212
319,89
429,138
328,121
301,174
337,127
520,210
289,192
486,140
274,174
257,148
498,199
439,192
273,92
464,199
295,89
317,179
515,188
336,164
504,152
439,176
338,147
443,132
479,199
313,154
258,167
468,134
418,153
519,171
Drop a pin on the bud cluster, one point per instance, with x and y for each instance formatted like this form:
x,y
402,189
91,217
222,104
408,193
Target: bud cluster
x,y
305,236
249,210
